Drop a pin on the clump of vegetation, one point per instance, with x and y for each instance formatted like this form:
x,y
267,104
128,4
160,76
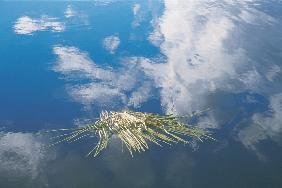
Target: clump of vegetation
x,y
135,130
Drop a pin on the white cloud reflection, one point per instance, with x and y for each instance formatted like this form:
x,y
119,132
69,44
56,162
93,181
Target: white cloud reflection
x,y
193,35
111,43
103,2
26,25
256,17
21,155
136,8
264,126
138,17
104,85
70,12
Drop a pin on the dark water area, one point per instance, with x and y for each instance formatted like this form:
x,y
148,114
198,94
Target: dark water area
x,y
63,62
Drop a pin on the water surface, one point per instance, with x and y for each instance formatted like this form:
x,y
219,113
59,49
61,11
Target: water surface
x,y
61,63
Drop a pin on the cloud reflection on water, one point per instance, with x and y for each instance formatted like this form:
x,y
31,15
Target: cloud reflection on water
x,y
106,86
202,42
204,53
264,126
22,155
26,25
111,43
70,12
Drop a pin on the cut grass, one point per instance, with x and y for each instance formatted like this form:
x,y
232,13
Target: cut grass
x,y
135,130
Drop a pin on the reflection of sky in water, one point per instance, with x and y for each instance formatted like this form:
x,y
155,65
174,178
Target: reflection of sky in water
x,y
62,63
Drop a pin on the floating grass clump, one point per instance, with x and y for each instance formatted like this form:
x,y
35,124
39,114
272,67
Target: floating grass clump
x,y
135,130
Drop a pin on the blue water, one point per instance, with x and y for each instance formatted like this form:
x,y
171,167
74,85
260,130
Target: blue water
x,y
61,63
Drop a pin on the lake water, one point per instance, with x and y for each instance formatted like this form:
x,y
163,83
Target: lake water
x,y
63,62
